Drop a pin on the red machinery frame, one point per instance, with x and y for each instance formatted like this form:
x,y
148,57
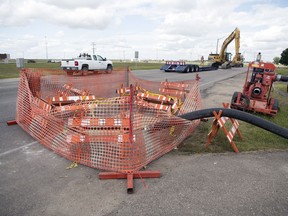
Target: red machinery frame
x,y
255,96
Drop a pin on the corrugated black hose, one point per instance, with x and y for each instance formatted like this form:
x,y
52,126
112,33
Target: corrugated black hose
x,y
243,116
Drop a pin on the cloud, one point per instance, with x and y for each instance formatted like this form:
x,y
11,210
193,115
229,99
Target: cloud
x,y
172,29
81,15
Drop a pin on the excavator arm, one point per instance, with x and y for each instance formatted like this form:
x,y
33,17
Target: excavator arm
x,y
234,35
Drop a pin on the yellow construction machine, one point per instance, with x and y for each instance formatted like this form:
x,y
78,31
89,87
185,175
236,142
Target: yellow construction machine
x,y
223,59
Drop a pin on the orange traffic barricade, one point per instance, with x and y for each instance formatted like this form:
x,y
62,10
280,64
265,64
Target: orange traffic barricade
x,y
219,122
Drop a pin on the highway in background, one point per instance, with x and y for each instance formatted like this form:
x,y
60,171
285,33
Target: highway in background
x,y
207,77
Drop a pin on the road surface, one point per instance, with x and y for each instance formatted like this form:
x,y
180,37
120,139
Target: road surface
x,y
35,181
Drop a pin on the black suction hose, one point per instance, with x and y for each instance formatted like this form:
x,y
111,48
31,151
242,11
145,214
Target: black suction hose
x,y
284,78
281,78
243,116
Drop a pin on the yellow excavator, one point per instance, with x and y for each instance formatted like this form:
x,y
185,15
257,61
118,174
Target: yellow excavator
x,y
223,59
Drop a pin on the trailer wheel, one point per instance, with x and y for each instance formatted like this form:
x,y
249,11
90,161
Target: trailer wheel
x,y
194,68
197,68
186,70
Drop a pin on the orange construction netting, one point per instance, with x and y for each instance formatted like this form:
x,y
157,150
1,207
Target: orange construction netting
x,y
113,122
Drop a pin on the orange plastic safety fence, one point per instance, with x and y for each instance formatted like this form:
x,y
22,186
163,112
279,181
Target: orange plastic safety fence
x,y
101,121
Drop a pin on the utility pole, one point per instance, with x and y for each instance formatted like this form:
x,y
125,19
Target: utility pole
x,y
93,47
46,48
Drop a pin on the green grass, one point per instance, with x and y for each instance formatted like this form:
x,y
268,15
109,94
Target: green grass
x,y
254,138
11,71
282,71
137,66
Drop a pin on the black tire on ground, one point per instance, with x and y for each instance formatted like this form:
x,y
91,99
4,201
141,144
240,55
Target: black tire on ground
x,y
197,68
85,68
186,70
234,97
244,100
109,69
194,68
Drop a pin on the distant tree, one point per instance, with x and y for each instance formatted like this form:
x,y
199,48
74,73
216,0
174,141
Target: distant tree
x,y
284,57
276,60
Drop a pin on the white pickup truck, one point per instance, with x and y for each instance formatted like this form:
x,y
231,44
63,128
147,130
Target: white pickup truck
x,y
87,63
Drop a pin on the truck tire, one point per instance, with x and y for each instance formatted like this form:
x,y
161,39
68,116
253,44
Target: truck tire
x,y
109,69
186,70
84,70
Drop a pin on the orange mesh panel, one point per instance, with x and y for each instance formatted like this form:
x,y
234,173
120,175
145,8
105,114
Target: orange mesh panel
x,y
100,121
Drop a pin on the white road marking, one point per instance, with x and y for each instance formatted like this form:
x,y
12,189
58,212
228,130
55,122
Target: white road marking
x,y
16,149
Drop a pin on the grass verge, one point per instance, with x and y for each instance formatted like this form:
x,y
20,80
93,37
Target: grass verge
x,y
11,71
254,138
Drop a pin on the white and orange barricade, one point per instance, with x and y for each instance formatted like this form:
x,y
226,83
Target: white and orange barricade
x,y
176,89
219,122
75,90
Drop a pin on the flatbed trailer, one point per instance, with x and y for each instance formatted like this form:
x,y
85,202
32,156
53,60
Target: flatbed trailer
x,y
182,67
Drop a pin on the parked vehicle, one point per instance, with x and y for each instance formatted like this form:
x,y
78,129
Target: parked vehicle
x,y
86,63
182,67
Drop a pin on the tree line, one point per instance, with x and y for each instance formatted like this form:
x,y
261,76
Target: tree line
x,y
283,59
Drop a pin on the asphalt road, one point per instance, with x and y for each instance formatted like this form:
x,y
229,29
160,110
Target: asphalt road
x,y
34,180
207,77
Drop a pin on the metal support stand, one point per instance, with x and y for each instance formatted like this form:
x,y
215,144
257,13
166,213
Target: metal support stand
x,y
130,177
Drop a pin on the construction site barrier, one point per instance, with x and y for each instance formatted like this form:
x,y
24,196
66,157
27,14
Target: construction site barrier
x,y
106,121
219,122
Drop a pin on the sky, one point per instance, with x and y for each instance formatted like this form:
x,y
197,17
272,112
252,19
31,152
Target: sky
x,y
162,29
